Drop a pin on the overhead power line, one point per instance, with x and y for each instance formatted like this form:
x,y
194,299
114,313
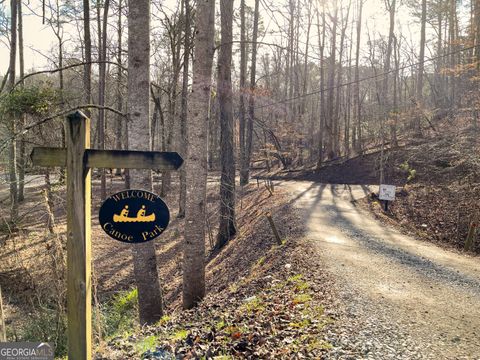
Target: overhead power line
x,y
318,91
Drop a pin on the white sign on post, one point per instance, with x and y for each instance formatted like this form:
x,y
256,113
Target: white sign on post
x,y
386,192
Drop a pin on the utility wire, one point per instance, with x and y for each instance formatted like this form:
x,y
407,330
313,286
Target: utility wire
x,y
318,91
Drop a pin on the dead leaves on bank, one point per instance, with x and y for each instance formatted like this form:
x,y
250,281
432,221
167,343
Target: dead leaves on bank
x,y
282,318
274,311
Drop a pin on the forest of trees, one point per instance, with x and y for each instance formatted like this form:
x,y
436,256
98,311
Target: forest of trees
x,y
231,86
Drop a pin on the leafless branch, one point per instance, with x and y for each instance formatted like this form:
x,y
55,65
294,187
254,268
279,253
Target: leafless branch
x,y
68,67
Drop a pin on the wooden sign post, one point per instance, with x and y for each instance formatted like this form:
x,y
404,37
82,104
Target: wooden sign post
x,y
78,159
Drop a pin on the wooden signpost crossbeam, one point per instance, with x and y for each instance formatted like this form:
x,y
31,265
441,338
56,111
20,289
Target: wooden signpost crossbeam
x,y
110,159
78,159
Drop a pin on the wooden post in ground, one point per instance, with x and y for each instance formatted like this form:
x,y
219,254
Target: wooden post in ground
x,y
274,228
79,159
3,330
79,280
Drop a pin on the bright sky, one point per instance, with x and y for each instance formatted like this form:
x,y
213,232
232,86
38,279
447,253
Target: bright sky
x,y
40,40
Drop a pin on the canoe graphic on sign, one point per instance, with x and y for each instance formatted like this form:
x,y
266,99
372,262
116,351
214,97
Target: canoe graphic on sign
x,y
141,217
134,216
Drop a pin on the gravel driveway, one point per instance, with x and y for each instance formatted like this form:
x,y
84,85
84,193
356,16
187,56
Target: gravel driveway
x,y
398,297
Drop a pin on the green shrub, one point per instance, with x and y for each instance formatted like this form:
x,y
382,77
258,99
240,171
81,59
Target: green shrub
x,y
30,100
47,325
411,173
119,315
148,343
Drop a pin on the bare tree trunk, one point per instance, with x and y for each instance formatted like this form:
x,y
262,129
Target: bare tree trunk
x,y
58,30
173,134
101,92
241,110
213,137
12,156
3,329
184,107
118,90
87,75
154,124
356,89
21,152
348,99
49,203
452,48
227,227
336,127
391,7
158,105
439,77
295,83
97,133
305,65
291,55
329,124
421,57
394,123
251,97
144,258
477,31
321,129
196,161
